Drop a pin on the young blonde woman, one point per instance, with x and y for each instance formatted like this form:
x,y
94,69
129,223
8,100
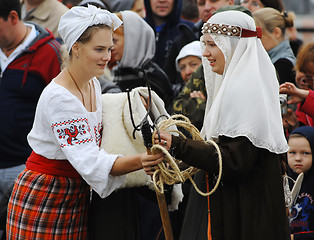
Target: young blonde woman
x,y
50,199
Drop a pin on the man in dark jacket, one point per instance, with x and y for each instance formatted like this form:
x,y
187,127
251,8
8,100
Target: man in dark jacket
x,y
29,59
164,18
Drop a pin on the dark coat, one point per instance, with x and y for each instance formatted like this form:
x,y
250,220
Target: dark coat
x,y
169,31
21,84
249,202
129,78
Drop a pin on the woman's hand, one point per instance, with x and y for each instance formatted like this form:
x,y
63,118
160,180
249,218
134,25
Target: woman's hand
x,y
165,140
150,162
297,95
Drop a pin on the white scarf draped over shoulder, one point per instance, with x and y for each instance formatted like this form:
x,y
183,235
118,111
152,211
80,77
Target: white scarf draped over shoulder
x,y
244,101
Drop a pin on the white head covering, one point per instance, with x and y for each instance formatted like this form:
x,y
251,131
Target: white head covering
x,y
244,101
139,40
75,21
191,49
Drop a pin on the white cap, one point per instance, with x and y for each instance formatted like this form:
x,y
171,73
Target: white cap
x,y
191,49
76,20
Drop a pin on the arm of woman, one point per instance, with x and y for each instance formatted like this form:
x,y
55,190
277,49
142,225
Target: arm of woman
x,y
239,155
128,164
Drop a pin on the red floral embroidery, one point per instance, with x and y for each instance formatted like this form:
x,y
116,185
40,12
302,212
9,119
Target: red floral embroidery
x,y
74,131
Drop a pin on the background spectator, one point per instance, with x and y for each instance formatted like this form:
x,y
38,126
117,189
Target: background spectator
x,y
46,13
206,8
189,11
134,47
274,24
164,18
29,59
303,94
300,159
188,60
255,5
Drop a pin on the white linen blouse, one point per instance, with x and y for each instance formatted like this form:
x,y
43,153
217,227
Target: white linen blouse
x,y
64,130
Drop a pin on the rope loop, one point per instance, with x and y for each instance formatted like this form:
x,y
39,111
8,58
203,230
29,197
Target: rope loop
x,y
169,171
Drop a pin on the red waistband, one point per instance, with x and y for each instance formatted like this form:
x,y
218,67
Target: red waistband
x,y
41,164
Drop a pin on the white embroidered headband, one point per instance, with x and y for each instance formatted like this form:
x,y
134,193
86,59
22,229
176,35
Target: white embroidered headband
x,y
231,31
76,20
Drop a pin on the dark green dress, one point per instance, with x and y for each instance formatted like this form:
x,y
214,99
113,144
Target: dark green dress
x,y
249,202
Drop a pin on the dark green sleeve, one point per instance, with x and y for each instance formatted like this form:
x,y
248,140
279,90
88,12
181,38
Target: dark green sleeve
x,y
193,108
239,155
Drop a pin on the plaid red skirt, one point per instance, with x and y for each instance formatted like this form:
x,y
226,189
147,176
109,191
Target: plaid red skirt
x,y
48,207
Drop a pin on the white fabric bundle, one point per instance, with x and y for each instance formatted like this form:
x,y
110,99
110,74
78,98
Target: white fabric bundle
x,y
244,101
118,133
75,21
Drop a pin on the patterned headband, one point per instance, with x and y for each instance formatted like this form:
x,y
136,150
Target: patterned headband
x,y
231,31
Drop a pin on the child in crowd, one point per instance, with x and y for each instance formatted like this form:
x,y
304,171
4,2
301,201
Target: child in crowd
x,y
301,143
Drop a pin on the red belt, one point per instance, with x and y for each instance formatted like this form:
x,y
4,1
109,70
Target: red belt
x,y
41,164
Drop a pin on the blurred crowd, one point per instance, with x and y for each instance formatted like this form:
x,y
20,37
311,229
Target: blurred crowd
x,y
158,45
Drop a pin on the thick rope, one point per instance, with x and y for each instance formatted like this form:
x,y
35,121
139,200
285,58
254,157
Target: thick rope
x,y
169,171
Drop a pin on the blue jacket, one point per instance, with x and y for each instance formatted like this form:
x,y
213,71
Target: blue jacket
x,y
20,87
168,32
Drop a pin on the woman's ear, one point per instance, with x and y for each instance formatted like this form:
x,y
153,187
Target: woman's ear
x,y
277,33
75,49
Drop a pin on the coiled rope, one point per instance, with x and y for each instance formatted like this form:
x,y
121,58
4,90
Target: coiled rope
x,y
172,175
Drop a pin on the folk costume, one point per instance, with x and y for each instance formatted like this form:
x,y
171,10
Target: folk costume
x,y
243,116
302,210
50,199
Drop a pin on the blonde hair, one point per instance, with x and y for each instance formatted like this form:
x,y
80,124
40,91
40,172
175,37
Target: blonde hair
x,y
269,18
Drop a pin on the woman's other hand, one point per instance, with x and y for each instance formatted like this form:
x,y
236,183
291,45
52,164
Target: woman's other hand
x,y
165,139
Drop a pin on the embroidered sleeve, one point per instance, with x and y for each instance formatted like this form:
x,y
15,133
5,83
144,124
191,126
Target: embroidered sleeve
x,y
77,137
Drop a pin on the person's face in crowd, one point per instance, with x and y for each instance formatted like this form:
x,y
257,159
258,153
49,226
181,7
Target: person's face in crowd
x,y
252,5
139,8
305,80
6,40
299,154
161,8
96,53
118,46
213,54
206,8
188,65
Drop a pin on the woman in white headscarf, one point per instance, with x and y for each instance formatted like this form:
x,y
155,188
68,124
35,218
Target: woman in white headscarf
x,y
243,117
50,199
